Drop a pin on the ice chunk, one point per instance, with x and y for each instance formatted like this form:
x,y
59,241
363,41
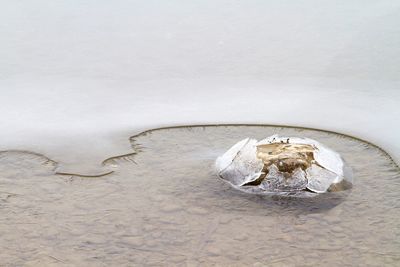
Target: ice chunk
x,y
240,165
281,164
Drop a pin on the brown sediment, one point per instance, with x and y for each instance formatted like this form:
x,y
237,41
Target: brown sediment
x,y
287,157
84,175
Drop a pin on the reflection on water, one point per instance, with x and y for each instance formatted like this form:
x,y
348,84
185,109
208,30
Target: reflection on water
x,y
164,206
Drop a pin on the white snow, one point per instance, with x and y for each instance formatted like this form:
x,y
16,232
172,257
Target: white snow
x,y
77,78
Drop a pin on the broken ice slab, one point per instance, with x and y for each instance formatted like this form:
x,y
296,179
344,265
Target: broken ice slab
x,y
282,164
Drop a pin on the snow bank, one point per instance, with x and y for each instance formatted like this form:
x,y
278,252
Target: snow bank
x,y
77,78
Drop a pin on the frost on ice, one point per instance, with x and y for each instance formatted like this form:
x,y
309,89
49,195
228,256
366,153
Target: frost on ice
x,y
283,164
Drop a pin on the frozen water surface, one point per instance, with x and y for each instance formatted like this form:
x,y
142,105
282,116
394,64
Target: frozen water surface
x,y
78,77
164,205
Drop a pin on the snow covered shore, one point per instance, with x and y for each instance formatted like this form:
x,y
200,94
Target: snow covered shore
x,y
78,78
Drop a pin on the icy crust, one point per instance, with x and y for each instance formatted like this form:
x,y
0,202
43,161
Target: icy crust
x,y
240,163
311,166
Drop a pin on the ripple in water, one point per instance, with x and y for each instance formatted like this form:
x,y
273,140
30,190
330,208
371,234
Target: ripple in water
x,y
164,206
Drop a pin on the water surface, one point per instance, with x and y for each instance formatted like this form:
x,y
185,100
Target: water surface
x,y
165,206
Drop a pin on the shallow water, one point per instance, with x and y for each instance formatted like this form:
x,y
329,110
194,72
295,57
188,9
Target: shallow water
x,y
165,206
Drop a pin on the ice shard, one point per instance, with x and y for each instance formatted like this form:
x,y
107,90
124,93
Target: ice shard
x,y
282,164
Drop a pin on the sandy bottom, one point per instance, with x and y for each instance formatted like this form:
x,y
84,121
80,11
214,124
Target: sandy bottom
x,y
165,206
